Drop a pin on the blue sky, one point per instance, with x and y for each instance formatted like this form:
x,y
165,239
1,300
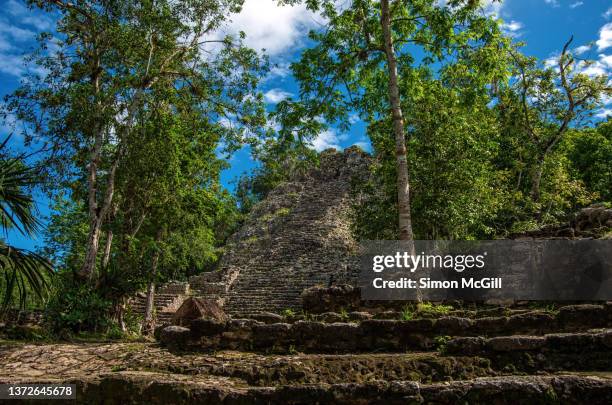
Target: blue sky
x,y
544,25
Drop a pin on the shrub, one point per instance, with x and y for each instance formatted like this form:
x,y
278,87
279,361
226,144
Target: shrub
x,y
77,307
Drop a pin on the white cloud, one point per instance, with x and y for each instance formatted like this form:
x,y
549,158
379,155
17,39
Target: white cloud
x,y
275,96
512,27
18,28
29,17
592,69
325,140
489,7
604,113
18,34
272,27
492,8
7,125
554,3
605,37
354,118
344,137
576,4
582,49
551,62
12,65
606,60
279,70
608,13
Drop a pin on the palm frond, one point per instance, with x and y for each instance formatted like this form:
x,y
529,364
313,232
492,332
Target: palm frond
x,y
24,272
17,209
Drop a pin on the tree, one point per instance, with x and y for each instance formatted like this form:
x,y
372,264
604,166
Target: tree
x,y
110,58
547,102
366,62
170,198
590,153
21,270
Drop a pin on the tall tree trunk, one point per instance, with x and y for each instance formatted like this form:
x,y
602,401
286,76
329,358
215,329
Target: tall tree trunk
x,y
107,249
403,182
109,239
93,245
97,217
148,322
120,317
536,180
95,222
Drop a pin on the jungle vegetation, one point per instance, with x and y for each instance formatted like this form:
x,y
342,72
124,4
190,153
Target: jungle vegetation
x,y
473,139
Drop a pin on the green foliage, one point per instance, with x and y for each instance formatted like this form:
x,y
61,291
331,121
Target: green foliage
x,y
136,110
16,204
74,307
286,155
426,309
29,333
440,343
136,116
451,151
65,235
444,98
537,112
433,309
483,121
22,273
590,154
288,313
407,313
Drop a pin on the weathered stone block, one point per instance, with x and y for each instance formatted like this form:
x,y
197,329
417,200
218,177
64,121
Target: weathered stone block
x,y
378,327
330,317
387,315
531,322
206,327
576,316
359,316
570,342
305,332
490,325
268,317
324,299
452,325
607,338
344,336
515,343
466,346
194,308
271,335
175,336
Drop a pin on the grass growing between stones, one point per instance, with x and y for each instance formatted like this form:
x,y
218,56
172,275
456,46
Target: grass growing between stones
x,y
424,310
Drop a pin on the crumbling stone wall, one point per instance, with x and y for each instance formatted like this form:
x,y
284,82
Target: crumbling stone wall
x,y
298,237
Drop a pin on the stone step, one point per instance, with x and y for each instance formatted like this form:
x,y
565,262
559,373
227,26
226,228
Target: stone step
x,y
134,373
158,388
394,336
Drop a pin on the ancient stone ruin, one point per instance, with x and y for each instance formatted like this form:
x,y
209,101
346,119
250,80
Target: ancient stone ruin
x,y
296,252
299,333
298,237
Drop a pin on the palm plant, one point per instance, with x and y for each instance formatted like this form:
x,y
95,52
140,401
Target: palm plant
x,y
22,271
